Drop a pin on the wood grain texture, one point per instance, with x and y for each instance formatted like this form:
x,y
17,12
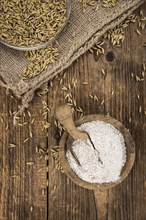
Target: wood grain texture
x,y
29,191
21,183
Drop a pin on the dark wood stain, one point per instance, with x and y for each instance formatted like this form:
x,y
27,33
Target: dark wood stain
x,y
21,186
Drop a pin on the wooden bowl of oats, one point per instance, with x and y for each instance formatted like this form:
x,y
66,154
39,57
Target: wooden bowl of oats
x,y
100,163
30,25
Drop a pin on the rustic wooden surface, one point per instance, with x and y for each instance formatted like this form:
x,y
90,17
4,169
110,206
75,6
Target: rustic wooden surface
x,y
28,189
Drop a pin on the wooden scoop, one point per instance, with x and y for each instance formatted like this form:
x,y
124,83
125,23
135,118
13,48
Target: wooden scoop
x,y
64,115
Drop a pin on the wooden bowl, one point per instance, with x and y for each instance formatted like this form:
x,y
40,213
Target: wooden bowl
x,y
130,153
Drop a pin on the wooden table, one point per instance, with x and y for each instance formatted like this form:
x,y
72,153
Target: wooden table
x,y
30,186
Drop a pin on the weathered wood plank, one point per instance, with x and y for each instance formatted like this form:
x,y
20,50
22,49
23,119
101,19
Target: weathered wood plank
x,y
119,91
24,191
21,183
3,156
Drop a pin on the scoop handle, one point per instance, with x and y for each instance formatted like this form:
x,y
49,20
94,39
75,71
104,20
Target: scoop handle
x,y
64,115
101,200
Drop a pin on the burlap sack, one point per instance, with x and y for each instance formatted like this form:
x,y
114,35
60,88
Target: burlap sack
x,y
87,28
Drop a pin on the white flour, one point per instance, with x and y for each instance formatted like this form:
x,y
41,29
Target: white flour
x,y
111,149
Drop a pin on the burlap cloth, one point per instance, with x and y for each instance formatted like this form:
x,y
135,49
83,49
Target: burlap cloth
x,y
83,30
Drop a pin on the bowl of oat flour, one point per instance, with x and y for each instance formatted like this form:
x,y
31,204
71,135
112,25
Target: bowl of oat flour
x,y
105,159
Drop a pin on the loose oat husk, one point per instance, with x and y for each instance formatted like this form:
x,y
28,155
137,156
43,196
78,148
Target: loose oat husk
x,y
108,3
117,34
39,60
55,156
93,3
98,47
142,20
85,3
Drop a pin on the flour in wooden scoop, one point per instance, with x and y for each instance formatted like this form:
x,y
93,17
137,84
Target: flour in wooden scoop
x,y
111,150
